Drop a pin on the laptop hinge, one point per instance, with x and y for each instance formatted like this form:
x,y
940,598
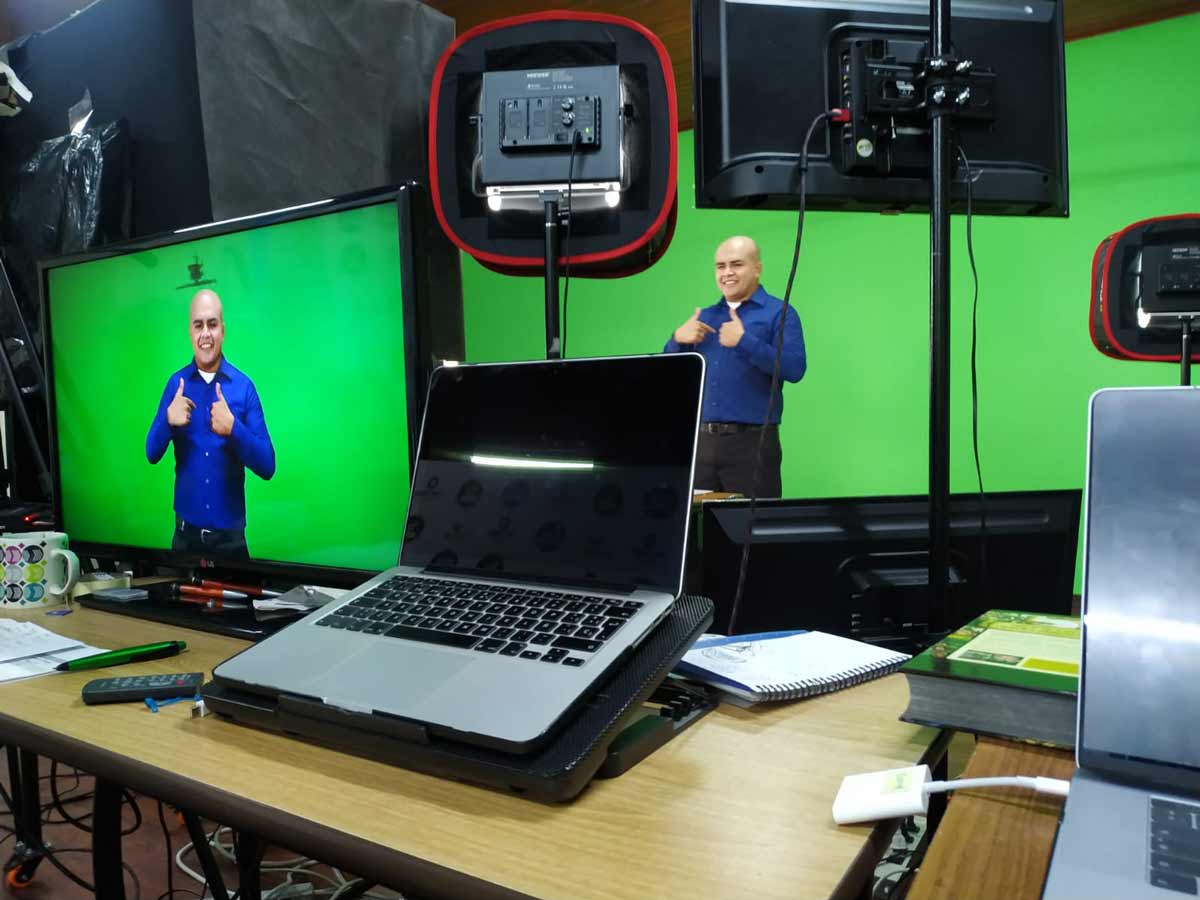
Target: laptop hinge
x,y
520,578
373,722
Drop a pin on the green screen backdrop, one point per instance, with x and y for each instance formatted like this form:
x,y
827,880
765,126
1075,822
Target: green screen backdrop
x,y
858,424
313,315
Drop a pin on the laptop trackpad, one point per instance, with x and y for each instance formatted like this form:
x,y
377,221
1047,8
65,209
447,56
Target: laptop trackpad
x,y
394,676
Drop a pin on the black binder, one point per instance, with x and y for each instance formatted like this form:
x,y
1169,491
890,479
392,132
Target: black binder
x,y
558,772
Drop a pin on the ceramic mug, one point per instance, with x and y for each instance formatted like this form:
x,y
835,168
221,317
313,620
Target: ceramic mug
x,y
38,569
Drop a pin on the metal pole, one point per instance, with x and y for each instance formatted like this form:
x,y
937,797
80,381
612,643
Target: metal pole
x,y
1185,354
552,241
939,337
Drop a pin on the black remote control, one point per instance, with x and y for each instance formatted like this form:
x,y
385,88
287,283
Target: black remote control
x,y
139,687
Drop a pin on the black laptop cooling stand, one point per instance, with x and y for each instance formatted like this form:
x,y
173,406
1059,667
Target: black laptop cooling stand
x,y
636,711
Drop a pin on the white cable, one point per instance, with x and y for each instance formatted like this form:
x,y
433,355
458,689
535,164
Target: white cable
x,y
1056,786
179,864
340,883
893,793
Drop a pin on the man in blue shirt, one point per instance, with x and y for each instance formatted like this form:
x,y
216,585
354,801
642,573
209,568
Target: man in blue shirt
x,y
211,412
737,336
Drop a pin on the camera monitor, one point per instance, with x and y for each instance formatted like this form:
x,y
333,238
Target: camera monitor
x,y
765,68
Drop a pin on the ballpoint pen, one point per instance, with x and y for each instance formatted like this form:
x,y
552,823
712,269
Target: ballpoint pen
x,y
215,593
251,590
122,656
206,599
214,604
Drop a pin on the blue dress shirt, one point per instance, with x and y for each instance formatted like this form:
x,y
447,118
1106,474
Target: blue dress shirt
x,y
210,470
737,380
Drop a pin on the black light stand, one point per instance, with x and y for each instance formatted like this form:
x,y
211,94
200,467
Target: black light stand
x,y
943,99
553,244
1185,350
18,400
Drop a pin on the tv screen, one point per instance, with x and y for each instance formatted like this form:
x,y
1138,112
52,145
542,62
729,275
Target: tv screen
x,y
303,436
763,69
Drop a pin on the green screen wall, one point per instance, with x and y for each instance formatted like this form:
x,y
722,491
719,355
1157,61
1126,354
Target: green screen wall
x,y
857,424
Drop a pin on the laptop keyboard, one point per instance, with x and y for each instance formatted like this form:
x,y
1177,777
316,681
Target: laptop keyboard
x,y
1174,845
543,626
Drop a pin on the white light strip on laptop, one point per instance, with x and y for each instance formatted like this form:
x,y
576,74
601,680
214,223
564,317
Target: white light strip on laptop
x,y
515,462
1164,629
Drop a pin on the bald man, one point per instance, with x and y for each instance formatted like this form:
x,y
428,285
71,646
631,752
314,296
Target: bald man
x,y
737,337
212,414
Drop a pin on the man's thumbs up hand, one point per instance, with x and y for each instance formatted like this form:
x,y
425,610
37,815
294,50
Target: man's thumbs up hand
x,y
731,331
221,417
693,331
179,410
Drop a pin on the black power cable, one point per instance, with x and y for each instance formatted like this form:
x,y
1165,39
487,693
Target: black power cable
x,y
975,384
762,435
51,853
58,803
562,340
162,820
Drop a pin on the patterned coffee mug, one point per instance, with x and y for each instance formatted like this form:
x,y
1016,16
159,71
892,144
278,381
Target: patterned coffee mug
x,y
38,569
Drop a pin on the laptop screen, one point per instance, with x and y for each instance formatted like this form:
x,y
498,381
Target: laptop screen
x,y
1142,578
574,471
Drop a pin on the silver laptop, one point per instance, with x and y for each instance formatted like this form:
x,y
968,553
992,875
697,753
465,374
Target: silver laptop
x,y
1131,826
545,538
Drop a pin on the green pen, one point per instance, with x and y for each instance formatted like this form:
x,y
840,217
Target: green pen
x,y
125,655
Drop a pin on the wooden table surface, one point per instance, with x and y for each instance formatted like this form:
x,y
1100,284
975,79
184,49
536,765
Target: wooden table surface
x,y
736,806
996,843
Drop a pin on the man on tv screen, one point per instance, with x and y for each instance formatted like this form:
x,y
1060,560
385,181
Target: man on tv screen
x,y
737,336
211,412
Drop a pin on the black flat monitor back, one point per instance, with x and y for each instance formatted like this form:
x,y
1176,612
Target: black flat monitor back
x,y
763,69
858,566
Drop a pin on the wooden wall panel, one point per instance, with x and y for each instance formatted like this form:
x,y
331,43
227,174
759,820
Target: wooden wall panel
x,y
671,21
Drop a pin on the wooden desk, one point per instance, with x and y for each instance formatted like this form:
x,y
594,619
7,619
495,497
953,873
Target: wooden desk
x,y
737,806
996,843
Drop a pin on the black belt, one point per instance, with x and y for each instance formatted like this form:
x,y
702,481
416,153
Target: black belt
x,y
729,427
208,535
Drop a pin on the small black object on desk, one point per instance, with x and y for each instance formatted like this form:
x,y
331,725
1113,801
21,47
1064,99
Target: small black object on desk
x,y
140,687
672,708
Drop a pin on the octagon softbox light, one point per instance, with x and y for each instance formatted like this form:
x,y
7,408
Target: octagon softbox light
x,y
1145,298
548,105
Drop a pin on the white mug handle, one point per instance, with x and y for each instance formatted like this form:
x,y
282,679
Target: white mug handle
x,y
71,570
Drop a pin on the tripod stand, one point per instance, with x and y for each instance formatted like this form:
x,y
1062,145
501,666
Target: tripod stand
x,y
14,387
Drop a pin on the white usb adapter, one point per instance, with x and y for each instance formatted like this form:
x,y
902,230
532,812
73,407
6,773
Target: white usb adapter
x,y
905,792
882,795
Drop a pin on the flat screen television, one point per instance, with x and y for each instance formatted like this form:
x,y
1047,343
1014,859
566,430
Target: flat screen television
x,y
763,69
859,566
325,312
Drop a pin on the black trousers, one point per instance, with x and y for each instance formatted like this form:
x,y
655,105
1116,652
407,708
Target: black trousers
x,y
725,462
229,543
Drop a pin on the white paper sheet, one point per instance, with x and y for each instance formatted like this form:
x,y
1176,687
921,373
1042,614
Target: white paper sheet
x,y
20,639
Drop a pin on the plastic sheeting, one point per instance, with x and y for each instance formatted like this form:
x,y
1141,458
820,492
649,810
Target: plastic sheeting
x,y
69,195
313,98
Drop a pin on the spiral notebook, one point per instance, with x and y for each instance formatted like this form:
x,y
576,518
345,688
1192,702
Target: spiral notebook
x,y
784,665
